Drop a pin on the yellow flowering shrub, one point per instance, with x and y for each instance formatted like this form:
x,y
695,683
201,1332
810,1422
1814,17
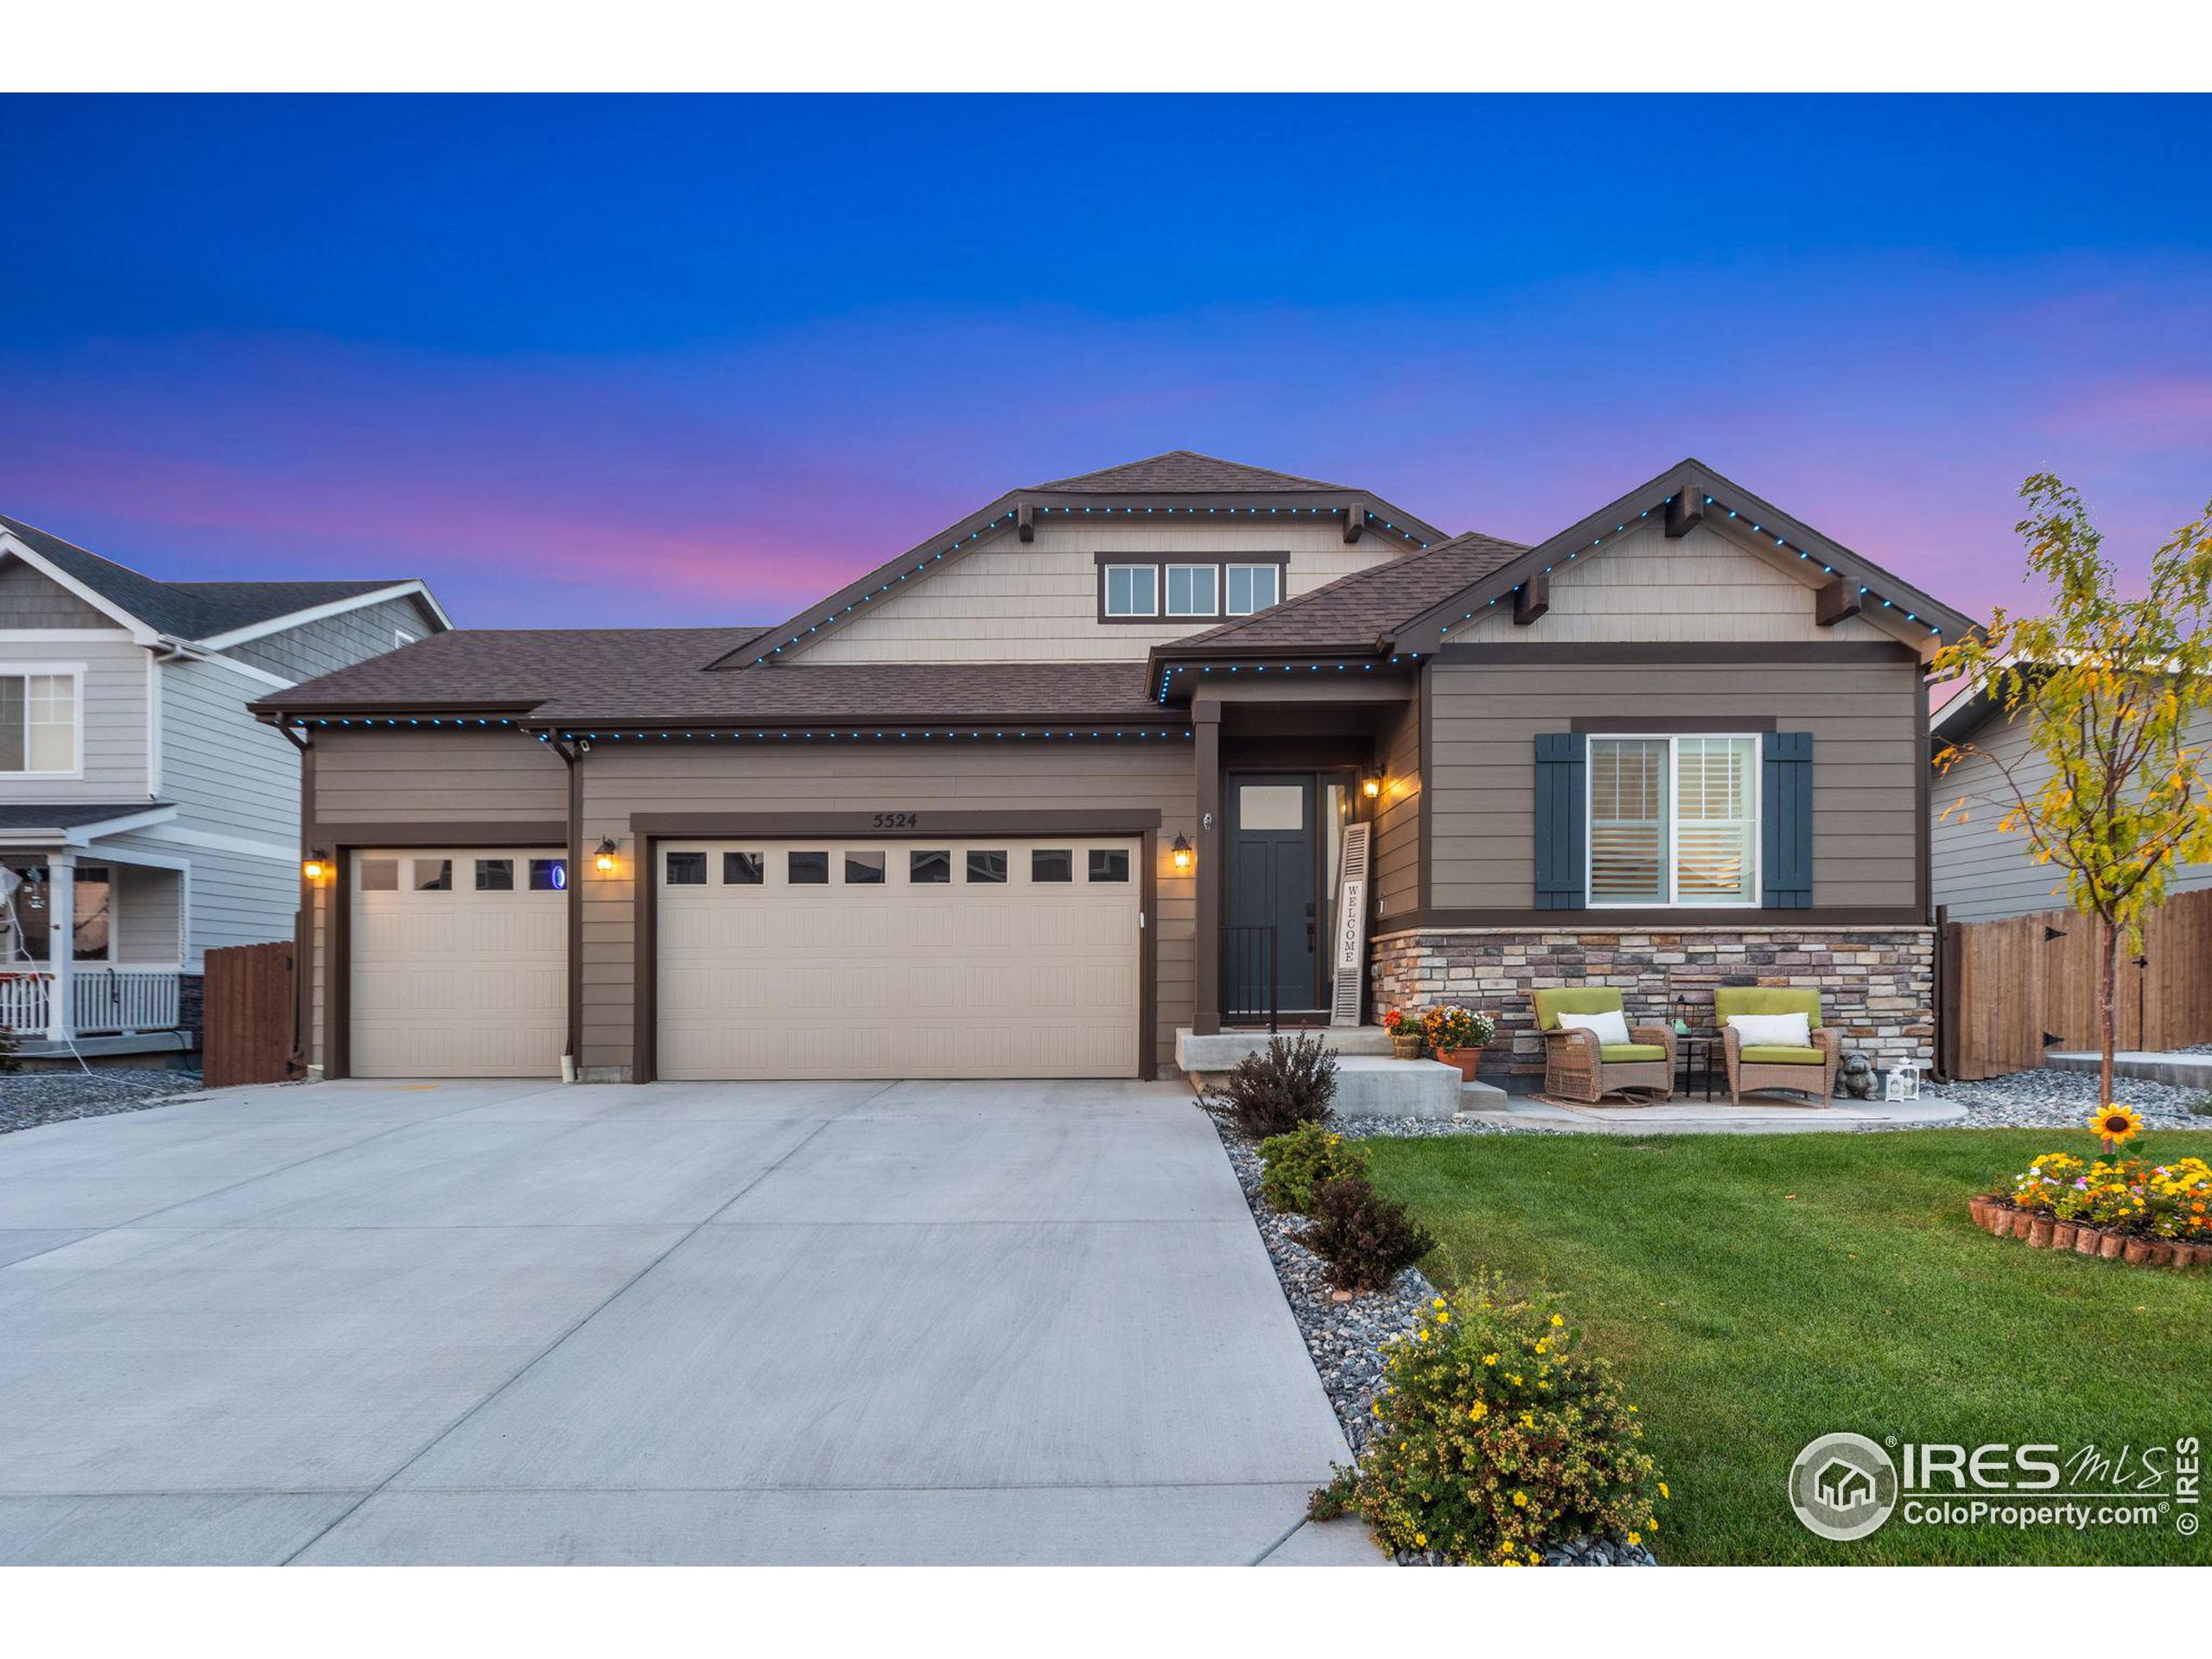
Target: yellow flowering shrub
x,y
1496,1436
1300,1161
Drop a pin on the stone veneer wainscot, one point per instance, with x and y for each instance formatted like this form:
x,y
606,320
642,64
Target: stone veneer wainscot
x,y
1877,983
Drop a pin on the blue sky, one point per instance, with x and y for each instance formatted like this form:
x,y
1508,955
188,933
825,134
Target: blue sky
x,y
657,360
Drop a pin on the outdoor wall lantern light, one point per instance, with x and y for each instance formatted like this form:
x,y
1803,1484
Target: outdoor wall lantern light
x,y
1180,855
604,860
1370,787
315,865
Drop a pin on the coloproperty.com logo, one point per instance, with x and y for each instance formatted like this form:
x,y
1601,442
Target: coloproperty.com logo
x,y
1847,1486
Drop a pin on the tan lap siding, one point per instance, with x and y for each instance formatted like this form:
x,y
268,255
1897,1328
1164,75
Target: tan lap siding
x,y
619,782
1482,781
1397,818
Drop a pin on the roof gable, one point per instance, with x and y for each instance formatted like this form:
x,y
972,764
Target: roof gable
x,y
1683,496
1185,472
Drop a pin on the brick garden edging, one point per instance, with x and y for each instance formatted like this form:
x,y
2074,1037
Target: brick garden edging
x,y
2042,1232
1876,983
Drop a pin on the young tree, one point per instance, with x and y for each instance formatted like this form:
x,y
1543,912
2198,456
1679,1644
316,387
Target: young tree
x,y
2105,690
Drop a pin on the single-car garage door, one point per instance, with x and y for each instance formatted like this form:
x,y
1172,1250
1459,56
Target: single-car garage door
x,y
989,958
459,963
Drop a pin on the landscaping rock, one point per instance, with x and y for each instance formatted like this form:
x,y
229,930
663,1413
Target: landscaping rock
x,y
2051,1099
30,1098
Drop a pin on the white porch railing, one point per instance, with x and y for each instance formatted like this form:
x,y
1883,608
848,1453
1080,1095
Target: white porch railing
x,y
103,1001
23,1004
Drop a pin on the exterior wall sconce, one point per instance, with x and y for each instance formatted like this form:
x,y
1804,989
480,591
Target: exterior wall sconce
x,y
1371,787
316,866
603,859
1181,857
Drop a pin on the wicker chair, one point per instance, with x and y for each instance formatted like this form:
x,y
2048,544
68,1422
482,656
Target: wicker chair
x,y
1756,1069
1578,1067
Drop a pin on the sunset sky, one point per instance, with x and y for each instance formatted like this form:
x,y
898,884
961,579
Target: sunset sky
x,y
656,361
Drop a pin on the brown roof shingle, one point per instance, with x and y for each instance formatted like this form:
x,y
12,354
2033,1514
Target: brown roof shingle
x,y
1185,472
1356,610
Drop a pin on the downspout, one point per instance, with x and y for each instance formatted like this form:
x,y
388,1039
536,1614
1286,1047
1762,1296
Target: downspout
x,y
572,1059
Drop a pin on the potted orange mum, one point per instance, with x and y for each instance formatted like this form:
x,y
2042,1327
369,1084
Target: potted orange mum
x,y
1455,1036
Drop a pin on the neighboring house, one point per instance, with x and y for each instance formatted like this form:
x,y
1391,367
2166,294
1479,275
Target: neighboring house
x,y
1981,872
1130,754
146,818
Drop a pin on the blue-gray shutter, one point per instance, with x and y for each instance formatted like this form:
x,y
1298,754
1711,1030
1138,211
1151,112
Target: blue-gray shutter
x,y
1563,825
1786,821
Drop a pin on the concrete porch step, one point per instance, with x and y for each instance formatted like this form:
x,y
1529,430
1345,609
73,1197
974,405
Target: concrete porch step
x,y
2182,1070
1221,1050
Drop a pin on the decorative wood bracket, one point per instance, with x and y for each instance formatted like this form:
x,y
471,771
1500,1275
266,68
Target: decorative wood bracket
x,y
1024,522
1836,600
1685,510
1531,599
1355,522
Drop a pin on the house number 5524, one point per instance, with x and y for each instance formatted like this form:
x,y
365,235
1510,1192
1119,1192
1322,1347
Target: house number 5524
x,y
896,821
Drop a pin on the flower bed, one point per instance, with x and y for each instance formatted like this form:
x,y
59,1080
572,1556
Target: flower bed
x,y
2115,1207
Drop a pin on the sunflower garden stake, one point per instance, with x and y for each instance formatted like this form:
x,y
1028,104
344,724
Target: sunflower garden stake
x,y
2115,1125
2110,789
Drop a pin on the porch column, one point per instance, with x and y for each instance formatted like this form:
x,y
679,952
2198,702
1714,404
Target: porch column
x,y
61,945
1206,726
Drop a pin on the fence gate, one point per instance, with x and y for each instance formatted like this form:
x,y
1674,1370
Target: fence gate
x,y
249,1014
2019,986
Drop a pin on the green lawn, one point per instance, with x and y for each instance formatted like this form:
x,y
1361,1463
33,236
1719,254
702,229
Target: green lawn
x,y
1757,1291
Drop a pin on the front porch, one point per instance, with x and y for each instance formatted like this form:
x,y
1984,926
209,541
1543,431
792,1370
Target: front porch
x,y
92,954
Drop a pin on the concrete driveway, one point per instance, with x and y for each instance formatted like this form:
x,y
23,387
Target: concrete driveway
x,y
515,1322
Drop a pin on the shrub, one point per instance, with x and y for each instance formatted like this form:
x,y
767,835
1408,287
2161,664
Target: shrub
x,y
9,1061
1297,1162
2199,1105
1494,1437
1448,1026
1366,1239
1275,1089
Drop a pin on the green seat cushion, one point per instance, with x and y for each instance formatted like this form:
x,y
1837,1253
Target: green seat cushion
x,y
1763,1054
1573,999
1632,1052
1765,999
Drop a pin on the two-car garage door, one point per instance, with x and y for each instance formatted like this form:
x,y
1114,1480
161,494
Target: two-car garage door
x,y
969,958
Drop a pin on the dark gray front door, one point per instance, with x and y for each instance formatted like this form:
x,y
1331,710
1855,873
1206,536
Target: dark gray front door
x,y
1272,876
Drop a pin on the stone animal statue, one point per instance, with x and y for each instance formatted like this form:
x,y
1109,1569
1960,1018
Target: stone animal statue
x,y
1855,1079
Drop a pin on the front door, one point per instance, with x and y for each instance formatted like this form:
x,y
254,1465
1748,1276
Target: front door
x,y
1274,893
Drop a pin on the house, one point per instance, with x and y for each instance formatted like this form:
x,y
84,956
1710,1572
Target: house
x,y
1980,872
146,818
1163,748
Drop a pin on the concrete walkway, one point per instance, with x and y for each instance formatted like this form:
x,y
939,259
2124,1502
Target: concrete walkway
x,y
2181,1070
1719,1117
492,1322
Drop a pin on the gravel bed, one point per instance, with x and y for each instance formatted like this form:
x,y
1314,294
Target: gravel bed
x,y
1345,1339
1429,1128
2053,1099
30,1098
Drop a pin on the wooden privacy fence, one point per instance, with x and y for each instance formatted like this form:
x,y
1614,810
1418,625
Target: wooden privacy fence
x,y
2015,988
249,1011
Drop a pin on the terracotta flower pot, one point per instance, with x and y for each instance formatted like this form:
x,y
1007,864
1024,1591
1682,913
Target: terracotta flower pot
x,y
2062,1235
2137,1252
1406,1044
2039,1233
2087,1239
1465,1059
2111,1247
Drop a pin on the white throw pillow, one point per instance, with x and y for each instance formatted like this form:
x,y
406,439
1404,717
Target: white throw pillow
x,y
1612,1026
1773,1029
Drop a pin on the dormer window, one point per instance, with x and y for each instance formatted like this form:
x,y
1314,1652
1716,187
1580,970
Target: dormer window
x,y
1191,589
1253,588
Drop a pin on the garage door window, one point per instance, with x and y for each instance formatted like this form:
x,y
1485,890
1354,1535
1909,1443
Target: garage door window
x,y
549,875
744,869
379,875
986,868
434,875
929,869
863,869
810,869
1109,864
1052,864
495,875
687,869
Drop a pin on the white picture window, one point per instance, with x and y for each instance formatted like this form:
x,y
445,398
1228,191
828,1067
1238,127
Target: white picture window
x,y
1673,821
1253,588
1191,589
38,722
1133,590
